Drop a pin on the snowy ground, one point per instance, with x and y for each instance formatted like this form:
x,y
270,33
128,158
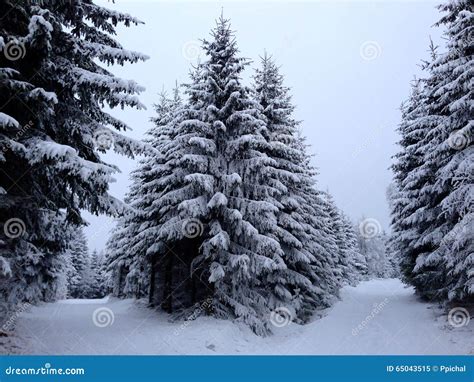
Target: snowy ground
x,y
376,317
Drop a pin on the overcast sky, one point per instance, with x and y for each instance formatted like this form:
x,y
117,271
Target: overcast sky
x,y
348,63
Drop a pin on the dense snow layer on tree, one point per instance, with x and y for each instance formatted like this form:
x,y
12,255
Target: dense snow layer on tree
x,y
432,203
53,127
226,207
376,317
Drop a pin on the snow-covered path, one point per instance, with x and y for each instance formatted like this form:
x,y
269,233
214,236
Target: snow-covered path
x,y
376,317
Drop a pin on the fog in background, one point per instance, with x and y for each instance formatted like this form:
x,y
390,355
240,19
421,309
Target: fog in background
x,y
349,65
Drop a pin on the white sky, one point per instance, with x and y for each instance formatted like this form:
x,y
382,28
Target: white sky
x,y
349,105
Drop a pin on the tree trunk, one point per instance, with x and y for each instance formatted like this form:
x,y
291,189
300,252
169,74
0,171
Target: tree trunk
x,y
151,292
168,287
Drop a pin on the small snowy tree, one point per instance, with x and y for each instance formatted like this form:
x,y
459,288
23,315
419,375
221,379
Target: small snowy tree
x,y
343,273
97,287
374,249
80,276
357,262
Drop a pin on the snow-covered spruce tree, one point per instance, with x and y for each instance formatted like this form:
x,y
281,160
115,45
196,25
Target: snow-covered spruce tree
x,y
103,273
411,176
350,266
227,154
323,203
97,287
119,258
79,278
441,222
452,154
216,210
211,211
342,271
54,265
394,201
308,272
358,267
52,128
393,264
124,264
413,127
152,237
167,241
85,277
374,250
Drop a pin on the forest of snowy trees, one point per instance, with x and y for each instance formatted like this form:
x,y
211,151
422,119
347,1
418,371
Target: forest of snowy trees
x,y
224,210
84,271
226,207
